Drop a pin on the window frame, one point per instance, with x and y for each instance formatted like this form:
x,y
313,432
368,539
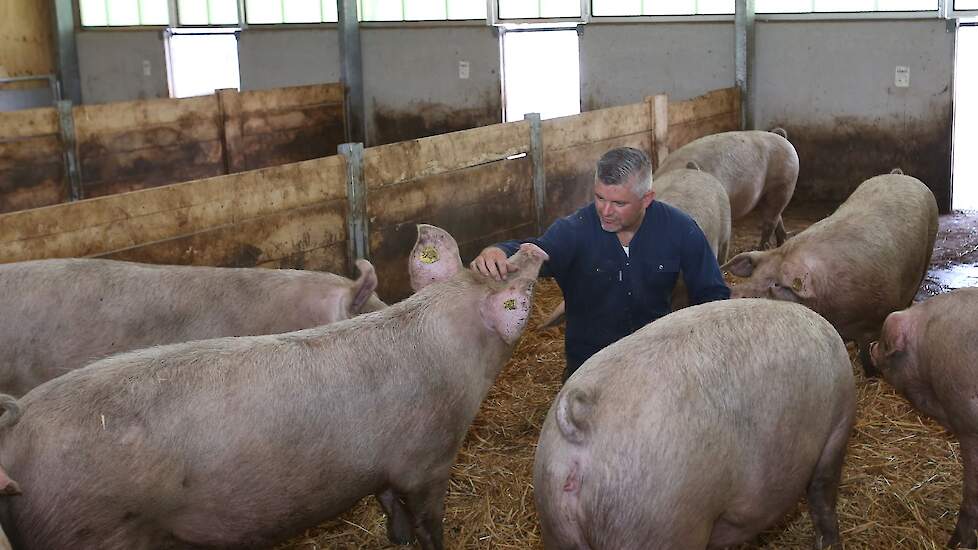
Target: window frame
x,y
937,13
955,13
492,11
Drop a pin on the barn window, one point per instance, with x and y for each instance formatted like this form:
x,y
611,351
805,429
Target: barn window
x,y
538,9
966,4
123,13
843,6
207,12
260,12
617,8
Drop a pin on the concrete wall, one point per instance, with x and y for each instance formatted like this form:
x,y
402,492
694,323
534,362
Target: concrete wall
x,y
412,86
623,63
114,65
831,85
277,58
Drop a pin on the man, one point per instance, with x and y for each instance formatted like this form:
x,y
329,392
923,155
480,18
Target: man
x,y
617,260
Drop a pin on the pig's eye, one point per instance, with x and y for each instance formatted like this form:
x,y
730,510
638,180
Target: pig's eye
x,y
780,292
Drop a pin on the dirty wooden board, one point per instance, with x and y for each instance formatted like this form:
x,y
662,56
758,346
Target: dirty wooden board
x,y
592,126
151,167
31,173
570,173
477,205
102,225
292,135
293,96
28,123
282,237
681,134
399,162
716,111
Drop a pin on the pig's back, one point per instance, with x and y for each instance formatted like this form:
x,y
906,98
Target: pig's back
x,y
710,412
701,196
62,314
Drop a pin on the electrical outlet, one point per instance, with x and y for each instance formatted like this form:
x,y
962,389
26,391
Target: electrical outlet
x,y
147,68
901,78
463,69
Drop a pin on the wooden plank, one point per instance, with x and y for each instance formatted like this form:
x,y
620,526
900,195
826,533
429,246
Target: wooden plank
x,y
570,131
152,166
570,173
47,187
291,146
473,204
114,222
294,96
187,131
299,117
28,123
331,258
705,106
407,160
232,131
686,132
185,174
35,150
123,116
279,236
659,105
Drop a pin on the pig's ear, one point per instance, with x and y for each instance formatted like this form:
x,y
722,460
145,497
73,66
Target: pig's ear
x,y
895,329
797,275
743,264
363,287
434,258
506,311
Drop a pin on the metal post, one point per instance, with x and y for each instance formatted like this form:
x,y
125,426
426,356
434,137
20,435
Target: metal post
x,y
67,124
356,196
351,65
744,57
539,175
67,50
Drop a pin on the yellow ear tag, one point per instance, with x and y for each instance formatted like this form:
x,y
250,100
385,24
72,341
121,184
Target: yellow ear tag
x,y
429,255
796,284
510,304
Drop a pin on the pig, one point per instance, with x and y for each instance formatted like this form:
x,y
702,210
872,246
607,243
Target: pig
x,y
856,266
758,169
703,197
929,353
698,431
62,314
243,442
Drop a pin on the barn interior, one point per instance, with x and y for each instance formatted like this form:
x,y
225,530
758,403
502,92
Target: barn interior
x,y
307,133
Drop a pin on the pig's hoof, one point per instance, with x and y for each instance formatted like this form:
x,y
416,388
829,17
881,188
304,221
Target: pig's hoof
x,y
969,539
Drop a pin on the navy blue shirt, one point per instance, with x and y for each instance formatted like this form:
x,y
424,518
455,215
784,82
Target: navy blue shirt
x,y
609,294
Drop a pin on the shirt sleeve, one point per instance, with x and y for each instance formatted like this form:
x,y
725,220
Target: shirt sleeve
x,y
557,242
704,281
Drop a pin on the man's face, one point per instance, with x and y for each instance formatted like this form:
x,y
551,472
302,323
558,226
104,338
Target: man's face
x,y
618,207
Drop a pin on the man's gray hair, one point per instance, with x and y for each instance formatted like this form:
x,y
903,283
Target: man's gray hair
x,y
623,164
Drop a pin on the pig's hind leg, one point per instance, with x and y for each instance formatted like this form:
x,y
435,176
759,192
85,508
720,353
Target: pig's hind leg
x,y
426,504
965,531
399,528
823,489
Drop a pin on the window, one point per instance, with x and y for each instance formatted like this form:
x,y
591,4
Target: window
x,y
123,13
827,6
208,12
538,9
617,8
324,11
201,61
966,4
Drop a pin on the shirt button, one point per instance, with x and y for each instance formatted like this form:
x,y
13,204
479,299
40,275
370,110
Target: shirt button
x,y
660,267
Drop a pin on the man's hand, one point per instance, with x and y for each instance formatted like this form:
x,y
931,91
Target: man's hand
x,y
492,262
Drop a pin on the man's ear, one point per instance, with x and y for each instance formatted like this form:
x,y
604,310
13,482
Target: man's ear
x,y
647,199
